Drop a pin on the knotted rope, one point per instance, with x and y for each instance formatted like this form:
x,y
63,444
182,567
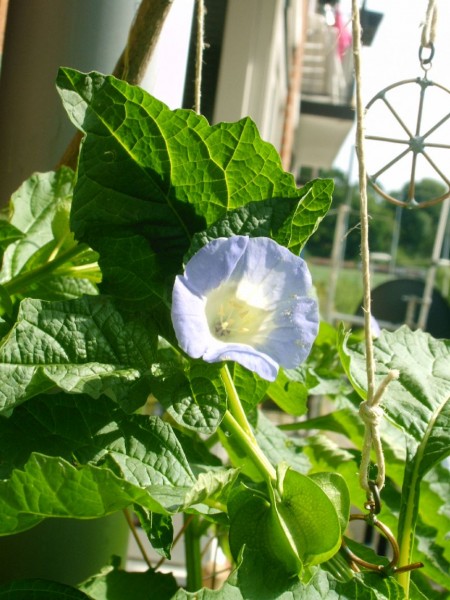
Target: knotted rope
x,y
371,413
429,26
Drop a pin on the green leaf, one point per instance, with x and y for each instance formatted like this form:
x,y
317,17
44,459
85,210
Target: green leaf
x,y
8,234
280,447
66,455
6,305
38,589
262,580
84,431
159,530
431,547
290,396
289,221
344,421
337,491
418,402
211,486
194,396
296,231
84,345
115,584
325,455
436,501
45,261
250,387
423,589
34,206
150,178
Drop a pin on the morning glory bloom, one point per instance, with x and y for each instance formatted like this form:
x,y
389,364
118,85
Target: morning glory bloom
x,y
247,300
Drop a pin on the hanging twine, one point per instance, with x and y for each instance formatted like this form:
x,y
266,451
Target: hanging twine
x,y
200,44
371,413
429,27
364,213
370,410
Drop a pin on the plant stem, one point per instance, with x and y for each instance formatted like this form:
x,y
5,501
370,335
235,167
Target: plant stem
x,y
235,420
234,402
250,447
23,281
193,555
408,517
338,566
81,270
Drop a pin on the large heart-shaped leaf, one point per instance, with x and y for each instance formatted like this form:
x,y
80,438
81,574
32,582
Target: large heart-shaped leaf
x,y
84,345
289,221
149,178
77,454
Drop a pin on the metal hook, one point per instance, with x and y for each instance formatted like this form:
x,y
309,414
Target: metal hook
x,y
373,504
389,569
425,62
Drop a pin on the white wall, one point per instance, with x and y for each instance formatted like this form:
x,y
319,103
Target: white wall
x,y
166,74
253,75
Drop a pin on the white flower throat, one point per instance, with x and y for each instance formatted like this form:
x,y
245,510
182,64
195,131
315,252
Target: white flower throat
x,y
233,314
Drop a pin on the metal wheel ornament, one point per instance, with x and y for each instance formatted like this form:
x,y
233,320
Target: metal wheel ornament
x,y
415,140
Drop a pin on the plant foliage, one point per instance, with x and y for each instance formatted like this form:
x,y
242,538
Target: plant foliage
x,y
102,412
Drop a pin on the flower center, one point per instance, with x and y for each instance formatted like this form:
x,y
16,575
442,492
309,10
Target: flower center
x,y
235,319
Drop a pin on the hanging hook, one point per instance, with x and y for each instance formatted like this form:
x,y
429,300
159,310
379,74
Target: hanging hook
x,y
371,519
391,568
373,504
425,61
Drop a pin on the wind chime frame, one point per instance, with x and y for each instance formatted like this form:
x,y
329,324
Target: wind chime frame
x,y
417,144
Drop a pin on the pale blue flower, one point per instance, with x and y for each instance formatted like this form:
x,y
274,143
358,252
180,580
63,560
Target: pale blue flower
x,y
247,300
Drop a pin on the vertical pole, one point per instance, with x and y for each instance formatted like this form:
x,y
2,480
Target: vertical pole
x,y
336,258
395,238
293,98
431,275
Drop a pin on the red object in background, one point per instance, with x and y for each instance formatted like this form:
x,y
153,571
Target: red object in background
x,y
344,40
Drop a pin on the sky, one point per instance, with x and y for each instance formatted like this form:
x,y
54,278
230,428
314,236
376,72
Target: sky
x,y
394,57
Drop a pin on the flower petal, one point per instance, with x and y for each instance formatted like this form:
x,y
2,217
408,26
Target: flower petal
x,y
188,318
214,263
274,271
247,300
248,357
291,341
